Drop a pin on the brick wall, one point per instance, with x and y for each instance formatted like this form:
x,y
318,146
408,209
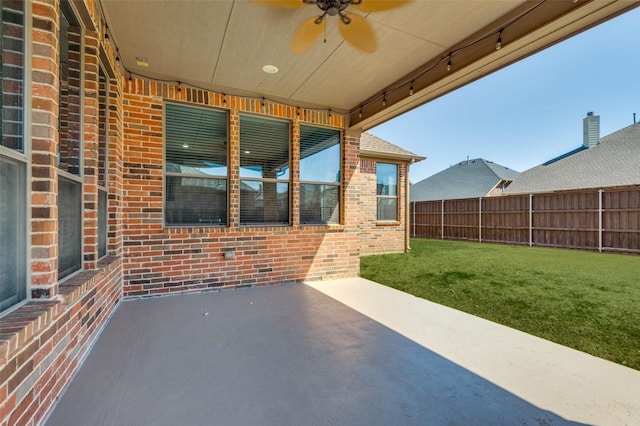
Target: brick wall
x,y
159,259
380,237
43,341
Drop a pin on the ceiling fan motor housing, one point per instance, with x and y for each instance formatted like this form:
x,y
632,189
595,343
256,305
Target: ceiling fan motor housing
x,y
334,7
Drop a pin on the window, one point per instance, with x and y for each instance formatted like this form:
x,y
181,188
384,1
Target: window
x,y
13,162
70,145
387,191
264,171
319,175
195,166
103,125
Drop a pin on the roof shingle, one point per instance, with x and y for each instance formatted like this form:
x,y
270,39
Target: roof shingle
x,y
374,146
615,161
467,179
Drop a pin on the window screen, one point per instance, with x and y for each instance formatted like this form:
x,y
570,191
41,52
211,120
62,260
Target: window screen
x,y
13,233
103,122
13,177
69,146
319,175
69,126
264,171
69,226
12,74
387,191
102,223
195,166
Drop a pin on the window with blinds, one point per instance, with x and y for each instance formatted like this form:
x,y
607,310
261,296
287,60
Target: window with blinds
x,y
264,170
195,166
13,162
319,175
70,144
103,123
387,191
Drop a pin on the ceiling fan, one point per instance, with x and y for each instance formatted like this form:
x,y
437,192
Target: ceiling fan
x,y
354,28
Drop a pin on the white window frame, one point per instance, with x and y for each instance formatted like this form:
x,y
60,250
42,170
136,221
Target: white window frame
x,y
389,197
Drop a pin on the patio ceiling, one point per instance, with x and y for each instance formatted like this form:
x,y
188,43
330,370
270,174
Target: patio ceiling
x,y
222,45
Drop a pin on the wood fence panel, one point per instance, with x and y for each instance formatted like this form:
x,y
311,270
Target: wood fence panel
x,y
427,216
621,220
461,219
566,219
506,219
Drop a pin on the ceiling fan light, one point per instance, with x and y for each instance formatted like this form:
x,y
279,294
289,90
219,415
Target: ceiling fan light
x,y
332,11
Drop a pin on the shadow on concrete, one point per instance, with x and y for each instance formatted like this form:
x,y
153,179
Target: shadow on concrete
x,y
280,355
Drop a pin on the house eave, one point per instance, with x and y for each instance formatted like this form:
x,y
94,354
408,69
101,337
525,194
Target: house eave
x,y
391,156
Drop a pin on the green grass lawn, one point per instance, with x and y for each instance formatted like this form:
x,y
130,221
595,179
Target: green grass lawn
x,y
588,301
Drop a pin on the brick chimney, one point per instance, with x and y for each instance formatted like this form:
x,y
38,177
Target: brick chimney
x,y
590,130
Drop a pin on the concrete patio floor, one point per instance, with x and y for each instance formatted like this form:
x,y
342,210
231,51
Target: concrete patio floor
x,y
348,352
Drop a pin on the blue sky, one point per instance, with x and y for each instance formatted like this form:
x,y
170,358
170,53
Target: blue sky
x,y
531,111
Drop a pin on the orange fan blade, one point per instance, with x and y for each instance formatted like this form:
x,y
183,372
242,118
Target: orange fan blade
x,y
359,33
305,35
289,4
378,5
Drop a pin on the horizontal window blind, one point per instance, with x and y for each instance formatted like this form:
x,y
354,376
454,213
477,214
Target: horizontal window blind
x,y
69,226
264,169
13,211
195,140
195,166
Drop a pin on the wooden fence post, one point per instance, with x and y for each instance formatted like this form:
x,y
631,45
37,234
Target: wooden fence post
x,y
600,220
530,220
480,219
442,221
414,219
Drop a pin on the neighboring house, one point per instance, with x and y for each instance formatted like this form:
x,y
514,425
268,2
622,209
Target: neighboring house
x,y
467,179
611,161
384,170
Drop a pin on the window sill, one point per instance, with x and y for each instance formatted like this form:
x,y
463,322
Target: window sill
x,y
75,286
19,327
388,223
329,227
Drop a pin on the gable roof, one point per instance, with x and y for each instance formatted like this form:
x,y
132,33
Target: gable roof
x,y
615,161
467,179
373,146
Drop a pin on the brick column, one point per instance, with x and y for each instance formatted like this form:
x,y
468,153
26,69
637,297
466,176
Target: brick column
x,y
233,186
44,145
351,179
294,170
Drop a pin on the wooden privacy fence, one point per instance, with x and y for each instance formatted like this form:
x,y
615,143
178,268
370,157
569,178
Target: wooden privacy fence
x,y
604,220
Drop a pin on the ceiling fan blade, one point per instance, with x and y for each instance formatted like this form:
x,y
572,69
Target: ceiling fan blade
x,y
378,5
305,35
289,4
359,33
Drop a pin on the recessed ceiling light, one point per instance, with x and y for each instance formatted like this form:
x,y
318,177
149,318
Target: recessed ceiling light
x,y
247,152
270,69
142,62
